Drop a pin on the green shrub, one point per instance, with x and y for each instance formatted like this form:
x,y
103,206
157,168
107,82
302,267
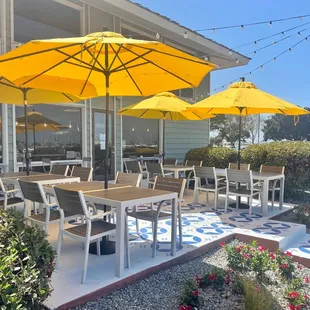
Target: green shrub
x,y
218,157
26,262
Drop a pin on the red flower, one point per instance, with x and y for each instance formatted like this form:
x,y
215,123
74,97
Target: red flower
x,y
195,293
222,244
272,256
293,295
212,277
247,256
189,307
238,249
291,307
284,266
182,307
288,253
261,248
227,279
306,297
299,267
229,270
307,280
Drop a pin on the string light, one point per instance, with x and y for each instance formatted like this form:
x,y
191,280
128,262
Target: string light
x,y
237,60
270,24
206,58
45,125
255,42
214,31
290,49
230,53
185,35
157,35
242,27
299,34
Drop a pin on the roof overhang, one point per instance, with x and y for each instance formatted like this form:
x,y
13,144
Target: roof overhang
x,y
143,17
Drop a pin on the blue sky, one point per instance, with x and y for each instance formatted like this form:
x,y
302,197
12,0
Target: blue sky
x,y
289,76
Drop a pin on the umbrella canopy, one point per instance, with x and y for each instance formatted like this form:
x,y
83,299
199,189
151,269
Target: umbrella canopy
x,y
103,64
12,94
166,106
244,98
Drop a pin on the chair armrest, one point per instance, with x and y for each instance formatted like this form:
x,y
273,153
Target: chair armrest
x,y
100,215
90,205
12,191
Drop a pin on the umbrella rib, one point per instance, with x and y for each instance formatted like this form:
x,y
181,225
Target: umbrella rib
x,y
130,67
130,61
59,63
144,112
39,52
151,62
168,54
133,80
67,96
91,70
84,67
196,115
115,56
96,60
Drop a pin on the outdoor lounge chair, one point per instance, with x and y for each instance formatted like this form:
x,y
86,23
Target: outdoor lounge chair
x,y
10,200
155,213
85,174
273,186
135,167
46,165
156,169
95,228
132,179
213,183
34,192
190,176
234,179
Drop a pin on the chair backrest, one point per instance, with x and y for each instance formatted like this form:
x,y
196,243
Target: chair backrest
x,y
171,185
242,166
170,161
272,169
132,179
132,166
71,202
32,191
85,174
2,187
191,163
59,169
154,169
205,172
239,176
46,162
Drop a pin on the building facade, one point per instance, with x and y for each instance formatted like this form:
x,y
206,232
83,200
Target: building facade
x,y
83,123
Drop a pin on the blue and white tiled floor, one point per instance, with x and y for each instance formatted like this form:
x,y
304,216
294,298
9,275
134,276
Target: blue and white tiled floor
x,y
201,225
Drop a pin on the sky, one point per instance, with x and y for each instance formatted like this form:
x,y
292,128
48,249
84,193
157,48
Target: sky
x,y
289,76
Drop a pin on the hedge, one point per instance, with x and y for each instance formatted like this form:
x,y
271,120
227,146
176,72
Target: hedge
x,y
294,155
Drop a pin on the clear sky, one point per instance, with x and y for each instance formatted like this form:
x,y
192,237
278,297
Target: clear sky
x,y
289,76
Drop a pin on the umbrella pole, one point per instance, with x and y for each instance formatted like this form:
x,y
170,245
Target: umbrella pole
x,y
26,131
239,141
164,137
34,138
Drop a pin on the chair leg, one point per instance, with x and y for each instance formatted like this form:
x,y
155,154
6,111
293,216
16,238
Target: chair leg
x,y
226,202
272,199
250,205
137,227
155,225
237,202
98,246
127,243
180,225
215,199
207,197
59,244
86,250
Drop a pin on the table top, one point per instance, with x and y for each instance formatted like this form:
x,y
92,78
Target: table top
x,y
87,186
45,177
127,194
20,174
255,174
177,167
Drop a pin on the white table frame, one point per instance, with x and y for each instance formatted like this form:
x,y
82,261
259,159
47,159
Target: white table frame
x,y
265,178
177,169
121,234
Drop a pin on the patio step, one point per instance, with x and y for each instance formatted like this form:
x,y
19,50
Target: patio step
x,y
298,233
300,247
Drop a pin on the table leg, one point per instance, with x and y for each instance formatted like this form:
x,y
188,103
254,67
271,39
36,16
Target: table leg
x,y
265,197
281,193
120,241
174,227
176,174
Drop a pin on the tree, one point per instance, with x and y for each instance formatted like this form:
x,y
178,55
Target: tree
x,y
282,127
227,128
251,123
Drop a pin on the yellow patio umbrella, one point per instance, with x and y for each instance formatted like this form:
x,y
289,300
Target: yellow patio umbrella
x,y
103,64
166,106
12,94
244,98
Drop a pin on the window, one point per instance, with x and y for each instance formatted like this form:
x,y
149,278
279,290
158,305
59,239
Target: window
x,y
57,142
140,136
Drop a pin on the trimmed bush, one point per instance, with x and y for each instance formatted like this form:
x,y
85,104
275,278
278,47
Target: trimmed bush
x,y
294,155
26,263
218,157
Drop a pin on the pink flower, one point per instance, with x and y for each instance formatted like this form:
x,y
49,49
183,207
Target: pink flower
x,y
272,256
306,297
293,295
229,270
195,293
299,267
284,266
227,279
182,307
238,249
222,244
261,249
212,277
288,253
247,256
307,279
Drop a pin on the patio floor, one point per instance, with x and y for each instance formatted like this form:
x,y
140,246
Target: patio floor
x,y
202,226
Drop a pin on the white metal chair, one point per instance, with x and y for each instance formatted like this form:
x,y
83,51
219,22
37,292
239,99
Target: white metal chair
x,y
34,192
10,200
190,177
136,167
59,169
85,174
275,185
234,166
46,165
155,213
155,169
132,179
170,161
213,184
234,179
95,228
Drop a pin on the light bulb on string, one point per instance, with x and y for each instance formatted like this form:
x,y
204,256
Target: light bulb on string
x,y
306,39
274,59
214,30
299,34
270,24
185,35
208,94
261,67
157,35
255,42
230,53
290,49
274,42
45,125
300,18
242,27
283,34
237,60
254,53
206,58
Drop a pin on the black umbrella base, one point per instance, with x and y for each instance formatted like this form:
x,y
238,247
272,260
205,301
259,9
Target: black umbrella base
x,y
241,205
107,247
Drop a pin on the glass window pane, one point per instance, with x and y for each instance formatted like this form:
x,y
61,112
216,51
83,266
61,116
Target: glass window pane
x,y
46,139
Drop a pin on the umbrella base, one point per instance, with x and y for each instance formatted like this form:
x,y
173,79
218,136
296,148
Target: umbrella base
x,y
107,247
241,205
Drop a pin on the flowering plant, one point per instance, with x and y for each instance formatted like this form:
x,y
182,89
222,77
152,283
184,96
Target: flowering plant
x,y
285,264
216,277
297,300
